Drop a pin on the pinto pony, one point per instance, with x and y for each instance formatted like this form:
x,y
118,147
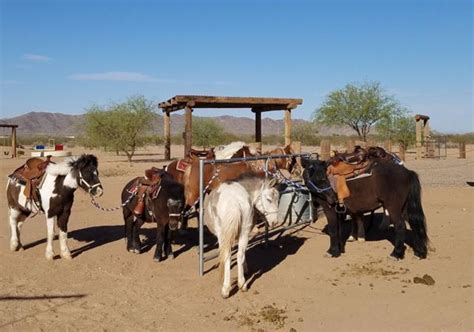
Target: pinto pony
x,y
56,194
229,214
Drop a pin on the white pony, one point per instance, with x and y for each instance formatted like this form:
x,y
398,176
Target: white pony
x,y
229,214
227,151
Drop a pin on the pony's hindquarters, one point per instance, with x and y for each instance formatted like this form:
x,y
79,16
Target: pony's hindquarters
x,y
416,217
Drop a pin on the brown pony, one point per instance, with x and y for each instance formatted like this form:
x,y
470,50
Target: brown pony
x,y
175,168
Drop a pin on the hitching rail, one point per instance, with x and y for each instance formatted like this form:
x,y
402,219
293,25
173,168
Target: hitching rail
x,y
202,162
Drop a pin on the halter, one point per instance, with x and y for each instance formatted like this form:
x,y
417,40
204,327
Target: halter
x,y
89,187
316,188
265,213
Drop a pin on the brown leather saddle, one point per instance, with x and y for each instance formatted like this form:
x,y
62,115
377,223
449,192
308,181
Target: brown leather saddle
x,y
30,175
148,186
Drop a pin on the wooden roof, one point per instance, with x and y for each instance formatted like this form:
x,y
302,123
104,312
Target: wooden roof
x,y
3,125
255,103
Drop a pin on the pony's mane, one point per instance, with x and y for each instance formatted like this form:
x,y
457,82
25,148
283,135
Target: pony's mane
x,y
62,168
227,151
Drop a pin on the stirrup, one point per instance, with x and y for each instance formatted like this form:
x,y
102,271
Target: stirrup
x,y
340,208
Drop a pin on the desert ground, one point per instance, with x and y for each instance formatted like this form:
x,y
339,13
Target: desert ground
x,y
293,288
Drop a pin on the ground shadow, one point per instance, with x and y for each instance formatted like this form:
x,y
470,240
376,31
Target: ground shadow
x,y
96,236
35,243
41,297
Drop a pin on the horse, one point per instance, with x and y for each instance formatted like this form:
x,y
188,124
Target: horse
x,y
163,204
390,185
56,194
177,167
229,214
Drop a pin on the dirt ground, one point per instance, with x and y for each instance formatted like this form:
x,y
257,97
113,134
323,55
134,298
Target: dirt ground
x,y
293,287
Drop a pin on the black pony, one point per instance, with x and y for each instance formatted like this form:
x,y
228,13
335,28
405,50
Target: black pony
x,y
391,186
164,206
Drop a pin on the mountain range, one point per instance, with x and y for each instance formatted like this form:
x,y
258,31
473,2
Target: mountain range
x,y
59,124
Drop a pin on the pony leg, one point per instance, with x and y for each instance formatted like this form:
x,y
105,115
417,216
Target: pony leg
x,y
136,245
333,232
400,229
16,221
49,246
360,227
158,257
62,225
226,282
241,261
168,237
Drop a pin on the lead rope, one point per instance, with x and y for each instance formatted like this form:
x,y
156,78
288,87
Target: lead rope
x,y
128,200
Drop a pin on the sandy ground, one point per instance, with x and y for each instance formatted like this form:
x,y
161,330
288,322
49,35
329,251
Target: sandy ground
x,y
294,288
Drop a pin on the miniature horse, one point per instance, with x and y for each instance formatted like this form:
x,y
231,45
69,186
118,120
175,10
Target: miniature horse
x,y
164,207
59,184
391,186
229,214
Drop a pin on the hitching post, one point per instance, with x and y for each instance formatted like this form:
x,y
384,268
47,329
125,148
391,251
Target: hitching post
x,y
201,217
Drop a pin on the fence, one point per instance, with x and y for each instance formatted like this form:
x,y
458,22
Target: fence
x,y
265,237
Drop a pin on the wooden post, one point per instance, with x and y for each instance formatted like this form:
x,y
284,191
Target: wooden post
x,y
188,129
462,150
258,129
167,134
325,149
401,151
287,127
387,145
13,142
350,144
419,133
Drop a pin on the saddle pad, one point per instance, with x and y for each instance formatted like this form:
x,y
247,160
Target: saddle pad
x,y
181,165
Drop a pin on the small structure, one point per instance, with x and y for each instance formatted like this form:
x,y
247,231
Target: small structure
x,y
256,104
13,135
422,133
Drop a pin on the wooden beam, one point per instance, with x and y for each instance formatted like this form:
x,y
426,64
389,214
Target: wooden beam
x,y
188,130
287,127
13,142
167,135
258,129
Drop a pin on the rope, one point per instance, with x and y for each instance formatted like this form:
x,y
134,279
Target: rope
x,y
97,205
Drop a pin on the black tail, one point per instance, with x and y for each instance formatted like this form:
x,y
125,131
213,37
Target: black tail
x,y
416,216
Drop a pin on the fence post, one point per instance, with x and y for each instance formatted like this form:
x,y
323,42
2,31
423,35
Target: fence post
x,y
462,150
325,149
401,151
387,145
350,144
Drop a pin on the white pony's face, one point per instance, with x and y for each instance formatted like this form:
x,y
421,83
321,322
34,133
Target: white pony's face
x,y
267,204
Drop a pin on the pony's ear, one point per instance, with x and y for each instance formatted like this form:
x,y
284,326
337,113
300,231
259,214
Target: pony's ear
x,y
305,162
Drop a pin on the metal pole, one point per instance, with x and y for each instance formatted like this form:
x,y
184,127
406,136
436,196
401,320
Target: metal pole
x,y
201,217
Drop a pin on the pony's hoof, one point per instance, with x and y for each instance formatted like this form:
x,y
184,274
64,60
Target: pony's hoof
x,y
393,258
351,239
158,259
66,255
15,246
361,239
171,255
225,293
328,255
49,256
134,250
244,287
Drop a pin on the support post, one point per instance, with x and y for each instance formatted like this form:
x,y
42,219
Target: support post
x,y
287,127
325,149
188,129
462,150
401,151
167,134
201,217
13,142
258,129
419,139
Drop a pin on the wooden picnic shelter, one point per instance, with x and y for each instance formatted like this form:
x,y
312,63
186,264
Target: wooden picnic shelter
x,y
257,105
13,135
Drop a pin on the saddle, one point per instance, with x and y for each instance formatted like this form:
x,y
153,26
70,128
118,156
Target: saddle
x,y
30,175
147,186
344,166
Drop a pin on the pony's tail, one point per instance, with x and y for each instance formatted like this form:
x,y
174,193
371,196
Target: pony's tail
x,y
228,235
416,216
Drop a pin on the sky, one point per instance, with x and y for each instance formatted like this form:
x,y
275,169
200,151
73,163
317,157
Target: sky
x,y
64,56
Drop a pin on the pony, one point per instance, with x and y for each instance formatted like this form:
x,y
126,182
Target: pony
x,y
229,214
177,167
56,194
163,205
390,185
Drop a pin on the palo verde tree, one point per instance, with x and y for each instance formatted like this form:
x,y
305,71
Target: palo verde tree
x,y
357,106
120,127
207,132
399,128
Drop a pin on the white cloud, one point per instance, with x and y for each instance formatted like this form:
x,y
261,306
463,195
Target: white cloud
x,y
116,76
35,58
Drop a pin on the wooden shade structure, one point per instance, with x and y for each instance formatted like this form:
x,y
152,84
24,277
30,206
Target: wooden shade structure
x,y
13,127
256,104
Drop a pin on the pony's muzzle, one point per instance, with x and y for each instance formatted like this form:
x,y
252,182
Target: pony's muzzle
x,y
97,191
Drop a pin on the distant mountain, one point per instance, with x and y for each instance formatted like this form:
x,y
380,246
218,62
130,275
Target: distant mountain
x,y
59,124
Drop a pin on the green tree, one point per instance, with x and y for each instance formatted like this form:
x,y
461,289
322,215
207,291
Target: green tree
x,y
357,106
120,127
207,132
306,133
399,128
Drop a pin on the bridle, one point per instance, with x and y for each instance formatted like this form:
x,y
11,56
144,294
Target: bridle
x,y
89,187
262,201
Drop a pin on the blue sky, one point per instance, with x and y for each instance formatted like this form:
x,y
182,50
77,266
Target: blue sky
x,y
63,56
